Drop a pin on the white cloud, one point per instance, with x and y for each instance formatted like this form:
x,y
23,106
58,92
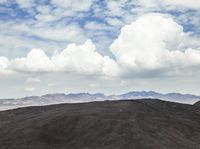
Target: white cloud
x,y
28,35
167,4
84,59
186,3
45,17
78,59
4,63
44,9
114,22
115,7
77,5
49,14
60,32
57,33
52,26
25,3
35,61
154,42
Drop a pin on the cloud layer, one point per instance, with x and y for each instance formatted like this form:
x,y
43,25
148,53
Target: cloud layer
x,y
152,45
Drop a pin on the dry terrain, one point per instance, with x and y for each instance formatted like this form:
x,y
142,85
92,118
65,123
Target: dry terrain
x,y
128,124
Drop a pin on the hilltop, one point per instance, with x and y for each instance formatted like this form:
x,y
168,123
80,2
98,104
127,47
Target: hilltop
x,y
128,124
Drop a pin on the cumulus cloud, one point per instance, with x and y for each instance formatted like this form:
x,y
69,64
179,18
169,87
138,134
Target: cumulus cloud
x,y
35,61
154,42
152,45
79,59
95,26
84,59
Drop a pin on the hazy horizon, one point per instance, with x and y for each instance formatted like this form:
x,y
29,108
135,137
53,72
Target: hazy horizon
x,y
93,93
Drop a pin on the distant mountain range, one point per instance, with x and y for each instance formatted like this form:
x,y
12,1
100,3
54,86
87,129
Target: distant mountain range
x,y
87,97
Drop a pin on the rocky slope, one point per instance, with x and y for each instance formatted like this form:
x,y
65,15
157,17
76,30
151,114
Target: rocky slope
x,y
197,103
135,124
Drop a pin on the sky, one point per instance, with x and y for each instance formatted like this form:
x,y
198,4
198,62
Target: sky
x,y
108,46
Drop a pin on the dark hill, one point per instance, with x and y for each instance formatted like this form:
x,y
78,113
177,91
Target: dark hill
x,y
197,103
138,124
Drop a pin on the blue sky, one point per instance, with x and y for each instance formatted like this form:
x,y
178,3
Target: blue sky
x,y
100,13
96,40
